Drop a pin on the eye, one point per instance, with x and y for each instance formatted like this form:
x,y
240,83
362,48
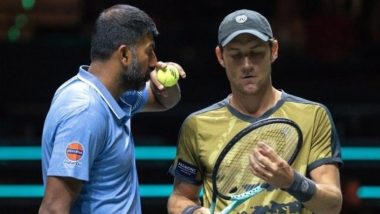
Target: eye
x,y
150,51
256,54
236,56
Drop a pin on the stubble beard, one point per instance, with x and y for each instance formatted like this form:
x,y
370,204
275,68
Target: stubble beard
x,y
132,78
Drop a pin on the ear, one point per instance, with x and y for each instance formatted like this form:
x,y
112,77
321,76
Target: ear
x,y
124,54
274,51
219,55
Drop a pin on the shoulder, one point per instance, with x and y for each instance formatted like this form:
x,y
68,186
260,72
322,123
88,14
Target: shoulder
x,y
303,104
295,99
214,109
205,119
303,111
211,109
76,98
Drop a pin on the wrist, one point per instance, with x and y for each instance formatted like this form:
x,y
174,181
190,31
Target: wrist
x,y
190,209
154,88
302,188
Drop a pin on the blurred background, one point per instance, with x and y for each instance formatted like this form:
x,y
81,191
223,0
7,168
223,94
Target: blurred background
x,y
329,53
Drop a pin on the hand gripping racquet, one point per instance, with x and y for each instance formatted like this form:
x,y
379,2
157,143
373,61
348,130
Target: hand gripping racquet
x,y
231,177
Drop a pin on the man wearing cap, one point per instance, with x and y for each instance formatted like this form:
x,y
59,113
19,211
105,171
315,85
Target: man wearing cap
x,y
311,184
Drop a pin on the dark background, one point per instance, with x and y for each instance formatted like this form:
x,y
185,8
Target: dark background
x,y
328,53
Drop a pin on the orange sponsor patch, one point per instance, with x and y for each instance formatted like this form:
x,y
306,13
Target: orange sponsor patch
x,y
74,151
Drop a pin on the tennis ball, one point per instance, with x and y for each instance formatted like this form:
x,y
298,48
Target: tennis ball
x,y
168,76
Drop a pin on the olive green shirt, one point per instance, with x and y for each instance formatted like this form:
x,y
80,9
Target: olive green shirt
x,y
205,133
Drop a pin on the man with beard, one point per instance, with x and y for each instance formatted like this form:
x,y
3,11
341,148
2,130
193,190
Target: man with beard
x,y
88,161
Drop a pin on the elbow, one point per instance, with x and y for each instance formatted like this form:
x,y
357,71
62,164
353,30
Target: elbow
x,y
170,205
338,205
45,209
333,208
49,207
336,209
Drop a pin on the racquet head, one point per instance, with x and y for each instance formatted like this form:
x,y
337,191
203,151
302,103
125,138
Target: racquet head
x,y
232,178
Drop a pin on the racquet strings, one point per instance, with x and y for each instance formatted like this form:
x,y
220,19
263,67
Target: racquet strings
x,y
234,176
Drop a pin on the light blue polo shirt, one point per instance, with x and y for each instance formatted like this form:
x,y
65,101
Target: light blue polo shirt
x,y
87,136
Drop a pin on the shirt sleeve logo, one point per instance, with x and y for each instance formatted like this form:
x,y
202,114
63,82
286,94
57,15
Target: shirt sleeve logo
x,y
186,169
74,151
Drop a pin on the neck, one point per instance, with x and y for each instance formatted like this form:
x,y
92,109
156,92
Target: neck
x,y
255,105
107,74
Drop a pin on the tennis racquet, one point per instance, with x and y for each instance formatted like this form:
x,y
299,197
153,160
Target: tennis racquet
x,y
231,177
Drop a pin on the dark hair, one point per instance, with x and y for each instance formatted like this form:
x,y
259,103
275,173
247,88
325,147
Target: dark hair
x,y
117,25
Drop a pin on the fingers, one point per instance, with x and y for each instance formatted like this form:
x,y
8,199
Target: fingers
x,y
263,160
270,167
160,65
181,72
267,151
259,166
154,80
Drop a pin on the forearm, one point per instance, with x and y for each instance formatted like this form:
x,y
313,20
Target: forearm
x,y
323,197
327,199
55,204
60,194
168,97
177,203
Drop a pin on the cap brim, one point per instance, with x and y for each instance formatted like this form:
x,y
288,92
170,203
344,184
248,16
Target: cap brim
x,y
250,31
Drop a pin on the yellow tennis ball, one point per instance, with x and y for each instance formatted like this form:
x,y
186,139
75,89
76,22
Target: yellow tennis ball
x,y
168,76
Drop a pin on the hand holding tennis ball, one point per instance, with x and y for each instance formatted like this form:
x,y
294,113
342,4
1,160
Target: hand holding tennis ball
x,y
168,76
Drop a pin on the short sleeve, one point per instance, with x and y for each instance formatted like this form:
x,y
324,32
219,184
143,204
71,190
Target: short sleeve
x,y
186,165
325,148
78,140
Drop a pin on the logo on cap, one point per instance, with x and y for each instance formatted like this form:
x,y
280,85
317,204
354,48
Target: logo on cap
x,y
241,18
74,151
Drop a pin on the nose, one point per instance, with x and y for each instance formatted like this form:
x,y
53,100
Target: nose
x,y
153,59
246,61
